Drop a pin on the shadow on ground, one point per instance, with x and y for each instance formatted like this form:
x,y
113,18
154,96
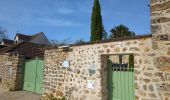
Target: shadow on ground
x,y
18,95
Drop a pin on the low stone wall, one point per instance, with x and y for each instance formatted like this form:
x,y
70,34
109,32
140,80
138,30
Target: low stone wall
x,y
11,71
151,82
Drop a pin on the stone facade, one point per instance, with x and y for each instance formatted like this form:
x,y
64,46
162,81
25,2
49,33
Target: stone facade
x,y
160,27
152,63
12,61
11,71
160,21
151,82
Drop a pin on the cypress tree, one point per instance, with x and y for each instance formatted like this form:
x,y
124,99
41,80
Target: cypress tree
x,y
97,29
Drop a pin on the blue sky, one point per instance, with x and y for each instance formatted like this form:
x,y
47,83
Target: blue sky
x,y
63,19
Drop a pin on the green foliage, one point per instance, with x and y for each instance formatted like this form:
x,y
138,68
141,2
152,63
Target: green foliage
x,y
104,34
81,41
121,31
97,29
131,62
60,43
51,97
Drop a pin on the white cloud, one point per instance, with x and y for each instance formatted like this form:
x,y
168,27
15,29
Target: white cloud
x,y
59,22
65,11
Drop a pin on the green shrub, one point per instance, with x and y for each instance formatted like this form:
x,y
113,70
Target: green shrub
x,y
51,97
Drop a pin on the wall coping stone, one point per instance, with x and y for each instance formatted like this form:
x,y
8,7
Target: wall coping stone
x,y
114,40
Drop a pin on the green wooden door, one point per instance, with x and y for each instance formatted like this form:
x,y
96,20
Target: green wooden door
x,y
120,82
33,76
30,75
39,77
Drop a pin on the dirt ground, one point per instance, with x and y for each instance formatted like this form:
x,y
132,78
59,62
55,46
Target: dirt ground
x,y
18,95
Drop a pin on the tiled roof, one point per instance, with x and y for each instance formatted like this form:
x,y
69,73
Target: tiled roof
x,y
23,37
2,46
27,49
6,49
37,34
28,37
8,42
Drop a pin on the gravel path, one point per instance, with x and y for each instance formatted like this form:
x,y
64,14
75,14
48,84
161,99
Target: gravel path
x,y
18,95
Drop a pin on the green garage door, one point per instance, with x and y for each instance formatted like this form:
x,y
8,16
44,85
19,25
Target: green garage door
x,y
120,82
33,76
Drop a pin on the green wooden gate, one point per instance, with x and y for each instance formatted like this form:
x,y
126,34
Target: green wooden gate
x,y
120,82
33,75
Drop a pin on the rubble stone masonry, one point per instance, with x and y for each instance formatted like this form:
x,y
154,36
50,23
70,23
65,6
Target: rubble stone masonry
x,y
151,82
152,63
151,59
160,28
160,22
11,71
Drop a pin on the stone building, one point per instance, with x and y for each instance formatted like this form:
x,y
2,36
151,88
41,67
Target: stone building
x,y
12,61
80,72
13,55
151,63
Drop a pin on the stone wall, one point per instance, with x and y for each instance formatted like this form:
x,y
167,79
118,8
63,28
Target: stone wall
x,y
160,21
160,28
152,63
11,71
151,82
